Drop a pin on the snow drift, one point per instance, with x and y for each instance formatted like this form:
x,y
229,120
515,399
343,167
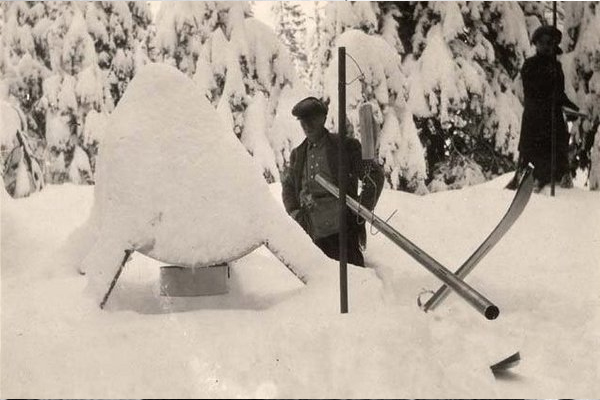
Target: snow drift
x,y
174,184
250,343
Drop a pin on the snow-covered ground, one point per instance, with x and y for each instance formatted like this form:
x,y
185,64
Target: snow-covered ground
x,y
272,337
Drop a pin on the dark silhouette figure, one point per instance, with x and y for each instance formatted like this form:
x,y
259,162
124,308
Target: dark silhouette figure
x,y
543,83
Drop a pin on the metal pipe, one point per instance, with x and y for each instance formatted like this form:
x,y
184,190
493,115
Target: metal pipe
x,y
485,247
553,120
470,295
343,180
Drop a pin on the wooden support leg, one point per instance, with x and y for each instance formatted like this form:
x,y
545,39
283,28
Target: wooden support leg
x,y
116,277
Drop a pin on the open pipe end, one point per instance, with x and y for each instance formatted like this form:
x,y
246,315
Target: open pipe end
x,y
492,312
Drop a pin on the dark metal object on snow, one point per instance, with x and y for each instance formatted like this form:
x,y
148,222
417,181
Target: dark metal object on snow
x,y
116,277
509,362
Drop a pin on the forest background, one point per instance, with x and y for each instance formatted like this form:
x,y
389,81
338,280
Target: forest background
x,y
442,78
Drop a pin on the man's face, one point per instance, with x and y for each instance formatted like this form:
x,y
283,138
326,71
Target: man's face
x,y
545,45
313,126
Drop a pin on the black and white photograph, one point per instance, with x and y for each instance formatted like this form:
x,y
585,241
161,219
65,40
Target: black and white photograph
x,y
300,199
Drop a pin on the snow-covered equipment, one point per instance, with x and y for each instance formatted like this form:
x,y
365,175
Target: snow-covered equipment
x,y
368,134
514,211
474,298
173,183
176,281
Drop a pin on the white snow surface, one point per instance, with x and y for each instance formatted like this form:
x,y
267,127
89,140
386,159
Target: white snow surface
x,y
272,337
173,183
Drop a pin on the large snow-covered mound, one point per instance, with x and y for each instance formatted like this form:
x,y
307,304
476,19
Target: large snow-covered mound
x,y
173,183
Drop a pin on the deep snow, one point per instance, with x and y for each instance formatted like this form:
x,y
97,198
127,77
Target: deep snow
x,y
271,336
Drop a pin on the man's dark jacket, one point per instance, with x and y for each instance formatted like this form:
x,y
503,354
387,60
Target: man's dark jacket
x,y
542,74
292,183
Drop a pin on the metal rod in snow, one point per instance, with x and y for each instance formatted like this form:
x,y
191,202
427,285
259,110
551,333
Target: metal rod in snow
x,y
115,278
553,117
470,295
342,180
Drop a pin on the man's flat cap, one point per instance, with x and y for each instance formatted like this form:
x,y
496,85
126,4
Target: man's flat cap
x,y
309,106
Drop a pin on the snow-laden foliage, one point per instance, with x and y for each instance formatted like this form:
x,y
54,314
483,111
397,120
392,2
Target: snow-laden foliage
x,y
332,19
375,76
290,27
254,139
285,132
462,60
80,170
242,67
10,123
582,79
181,29
401,151
21,76
21,172
62,60
95,124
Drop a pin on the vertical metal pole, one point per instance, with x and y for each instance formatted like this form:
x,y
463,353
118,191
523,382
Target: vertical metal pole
x,y
342,180
554,110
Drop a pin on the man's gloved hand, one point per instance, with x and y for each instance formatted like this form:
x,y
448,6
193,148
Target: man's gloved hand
x,y
306,200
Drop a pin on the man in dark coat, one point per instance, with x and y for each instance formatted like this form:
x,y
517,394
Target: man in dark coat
x,y
541,75
310,204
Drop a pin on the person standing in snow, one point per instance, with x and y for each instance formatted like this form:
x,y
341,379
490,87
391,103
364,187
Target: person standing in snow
x,y
541,75
315,209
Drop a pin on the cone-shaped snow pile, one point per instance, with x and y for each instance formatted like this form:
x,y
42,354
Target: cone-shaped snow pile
x,y
174,184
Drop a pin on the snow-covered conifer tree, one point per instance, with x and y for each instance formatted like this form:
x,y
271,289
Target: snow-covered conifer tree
x,y
21,172
290,26
332,20
22,69
375,76
182,27
253,137
22,73
581,63
316,58
234,58
389,25
78,57
266,69
119,30
70,92
462,62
